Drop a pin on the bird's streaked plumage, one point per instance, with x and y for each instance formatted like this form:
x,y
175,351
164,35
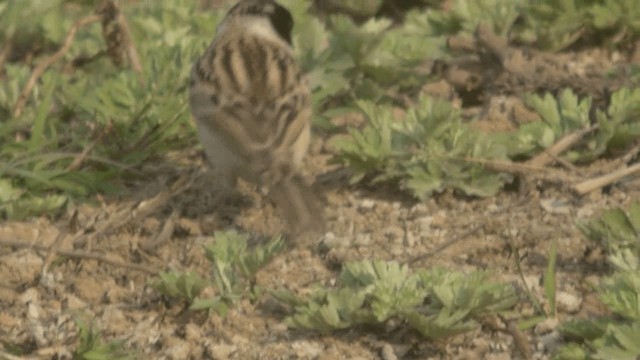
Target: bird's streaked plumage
x,y
252,107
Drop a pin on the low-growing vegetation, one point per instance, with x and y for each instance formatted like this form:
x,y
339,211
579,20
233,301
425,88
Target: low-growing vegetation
x,y
613,336
427,109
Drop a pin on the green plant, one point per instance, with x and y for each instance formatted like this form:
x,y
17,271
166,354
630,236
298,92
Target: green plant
x,y
612,337
426,150
549,24
233,271
184,286
464,16
87,122
435,302
618,125
431,148
618,232
358,7
92,347
373,60
557,25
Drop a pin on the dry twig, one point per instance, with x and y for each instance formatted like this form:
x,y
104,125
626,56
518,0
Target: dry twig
x,y
566,142
520,339
40,69
623,160
5,51
51,251
539,172
117,35
8,356
473,229
133,213
80,255
80,158
150,244
604,180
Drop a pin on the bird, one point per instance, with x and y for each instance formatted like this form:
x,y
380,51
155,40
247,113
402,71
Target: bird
x,y
251,103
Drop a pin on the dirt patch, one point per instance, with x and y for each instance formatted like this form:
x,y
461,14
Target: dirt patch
x,y
41,295
111,249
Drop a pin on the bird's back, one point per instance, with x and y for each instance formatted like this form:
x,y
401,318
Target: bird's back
x,y
249,86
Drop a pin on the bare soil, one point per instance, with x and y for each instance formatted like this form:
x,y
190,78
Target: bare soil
x,y
112,246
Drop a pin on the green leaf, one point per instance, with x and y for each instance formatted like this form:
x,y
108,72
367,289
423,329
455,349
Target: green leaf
x,y
615,229
621,342
358,7
91,346
613,337
442,325
426,150
8,192
571,352
186,286
372,292
260,256
548,108
585,329
27,206
634,216
621,293
219,306
464,16
38,138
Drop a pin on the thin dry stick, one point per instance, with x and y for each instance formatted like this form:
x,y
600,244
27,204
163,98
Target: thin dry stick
x,y
604,180
118,37
564,163
500,323
80,158
533,299
622,160
151,244
40,69
631,154
523,169
472,230
80,255
6,355
566,142
51,251
6,50
132,52
522,342
462,43
141,210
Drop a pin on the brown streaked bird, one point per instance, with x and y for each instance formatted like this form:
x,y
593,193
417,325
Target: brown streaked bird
x,y
252,108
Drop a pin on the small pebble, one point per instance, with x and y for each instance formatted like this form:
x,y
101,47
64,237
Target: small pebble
x,y
388,353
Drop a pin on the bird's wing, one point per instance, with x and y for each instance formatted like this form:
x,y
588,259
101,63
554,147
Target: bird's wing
x,y
253,92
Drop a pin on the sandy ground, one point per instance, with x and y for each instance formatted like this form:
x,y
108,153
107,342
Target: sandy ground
x,y
112,246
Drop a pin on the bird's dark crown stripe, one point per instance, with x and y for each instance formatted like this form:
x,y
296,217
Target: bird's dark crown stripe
x,y
282,22
279,17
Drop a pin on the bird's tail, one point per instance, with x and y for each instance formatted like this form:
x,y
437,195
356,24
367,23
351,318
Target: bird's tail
x,y
300,205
